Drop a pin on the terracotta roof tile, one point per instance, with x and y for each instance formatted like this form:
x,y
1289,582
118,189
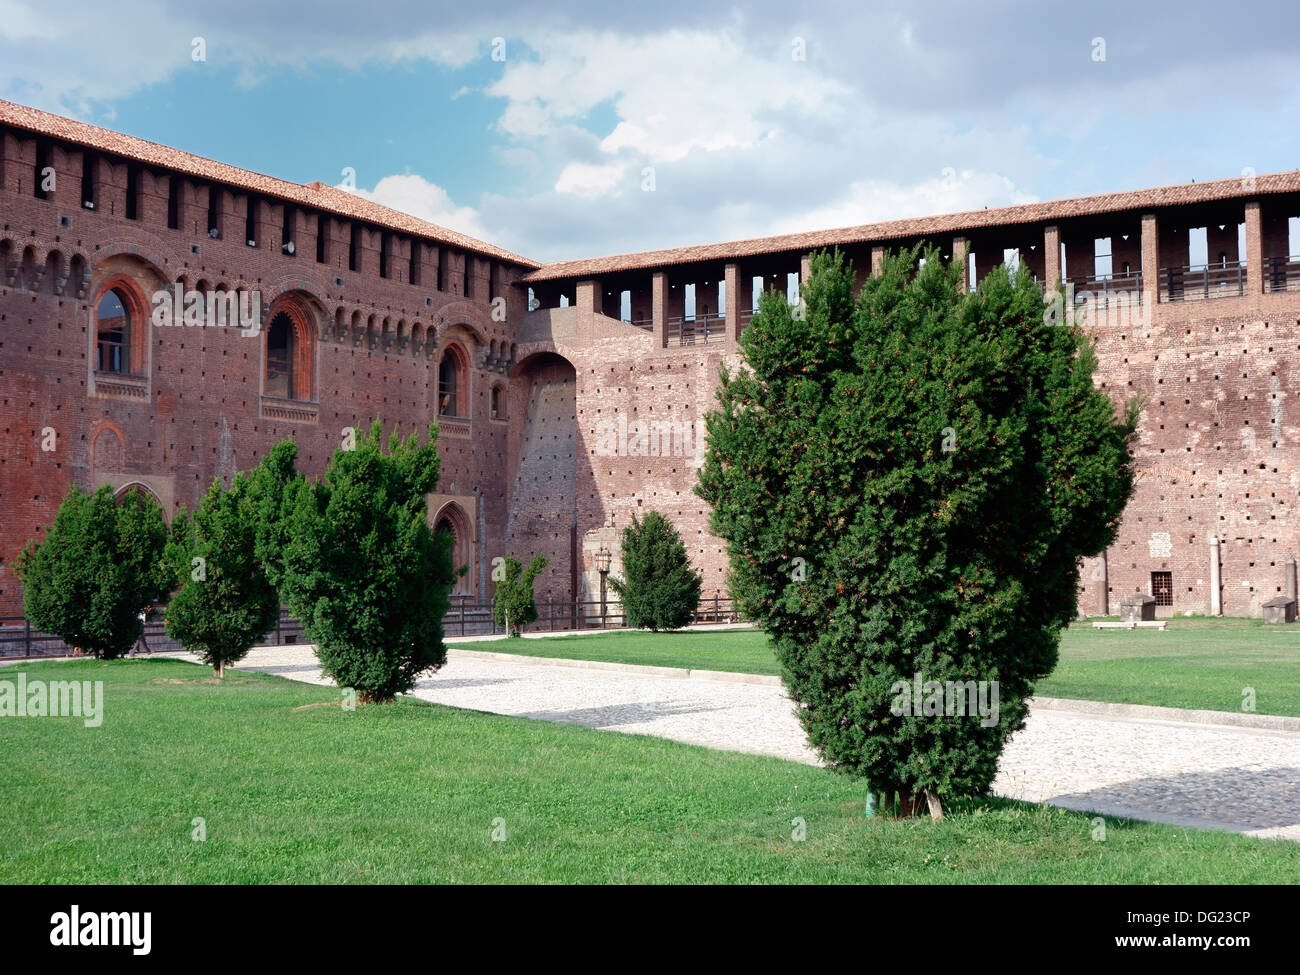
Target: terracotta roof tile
x,y
1288,182
316,195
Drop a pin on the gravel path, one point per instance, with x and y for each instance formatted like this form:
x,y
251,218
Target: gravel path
x,y
1243,779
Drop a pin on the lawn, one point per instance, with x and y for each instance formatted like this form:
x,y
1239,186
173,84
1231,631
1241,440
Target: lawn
x,y
1196,663
293,788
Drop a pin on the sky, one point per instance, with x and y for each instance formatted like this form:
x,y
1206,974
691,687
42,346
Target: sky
x,y
597,128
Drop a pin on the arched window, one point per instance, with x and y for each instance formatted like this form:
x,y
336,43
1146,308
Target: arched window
x,y
450,383
279,357
498,403
113,335
451,521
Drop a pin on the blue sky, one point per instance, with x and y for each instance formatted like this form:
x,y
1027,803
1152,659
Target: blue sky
x,y
586,131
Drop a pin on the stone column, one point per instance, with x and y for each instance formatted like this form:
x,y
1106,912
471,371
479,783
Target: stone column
x,y
1216,584
1150,263
1103,585
1291,578
732,278
960,257
1051,257
659,307
589,296
877,260
1254,249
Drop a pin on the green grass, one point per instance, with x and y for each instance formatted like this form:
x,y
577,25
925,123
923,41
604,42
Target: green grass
x,y
738,651
295,789
1196,663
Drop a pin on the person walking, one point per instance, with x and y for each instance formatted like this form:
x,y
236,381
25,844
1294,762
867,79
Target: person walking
x,y
141,642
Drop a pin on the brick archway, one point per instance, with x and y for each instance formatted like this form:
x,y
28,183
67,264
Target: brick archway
x,y
452,519
302,351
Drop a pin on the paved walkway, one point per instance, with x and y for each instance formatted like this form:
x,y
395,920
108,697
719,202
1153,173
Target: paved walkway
x,y
1242,779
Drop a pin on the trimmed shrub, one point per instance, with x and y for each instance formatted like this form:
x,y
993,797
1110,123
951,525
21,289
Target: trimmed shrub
x,y
906,484
100,565
363,570
659,589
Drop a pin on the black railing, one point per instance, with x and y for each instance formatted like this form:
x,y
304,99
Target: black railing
x,y
1282,273
18,640
1101,290
689,331
467,617
1226,280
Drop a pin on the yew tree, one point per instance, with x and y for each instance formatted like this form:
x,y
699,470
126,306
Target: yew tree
x,y
363,570
906,480
100,564
225,603
659,589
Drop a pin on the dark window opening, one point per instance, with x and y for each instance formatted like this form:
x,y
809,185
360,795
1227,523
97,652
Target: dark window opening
x,y
492,281
1162,588
498,403
214,212
448,385
385,242
88,179
469,273
174,203
441,256
413,274
113,335
132,191
250,223
354,245
44,161
279,357
286,230
322,235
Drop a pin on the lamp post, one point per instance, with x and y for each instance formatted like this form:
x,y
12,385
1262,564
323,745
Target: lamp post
x,y
602,566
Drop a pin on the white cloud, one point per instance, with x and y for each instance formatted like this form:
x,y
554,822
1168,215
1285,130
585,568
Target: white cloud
x,y
583,179
413,194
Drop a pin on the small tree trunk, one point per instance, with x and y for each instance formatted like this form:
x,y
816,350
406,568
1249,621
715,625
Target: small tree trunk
x,y
936,807
219,668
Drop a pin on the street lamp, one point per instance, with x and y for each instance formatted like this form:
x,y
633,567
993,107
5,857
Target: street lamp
x,y
602,566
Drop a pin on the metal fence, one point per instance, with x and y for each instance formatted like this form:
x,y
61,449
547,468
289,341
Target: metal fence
x,y
468,617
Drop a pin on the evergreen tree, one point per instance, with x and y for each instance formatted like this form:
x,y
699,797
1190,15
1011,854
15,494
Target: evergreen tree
x,y
906,484
100,565
275,490
226,602
513,606
659,589
363,570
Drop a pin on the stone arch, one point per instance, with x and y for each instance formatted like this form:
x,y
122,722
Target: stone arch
x,y
27,268
127,287
300,318
453,379
107,449
542,516
8,262
56,271
79,275
452,519
120,493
